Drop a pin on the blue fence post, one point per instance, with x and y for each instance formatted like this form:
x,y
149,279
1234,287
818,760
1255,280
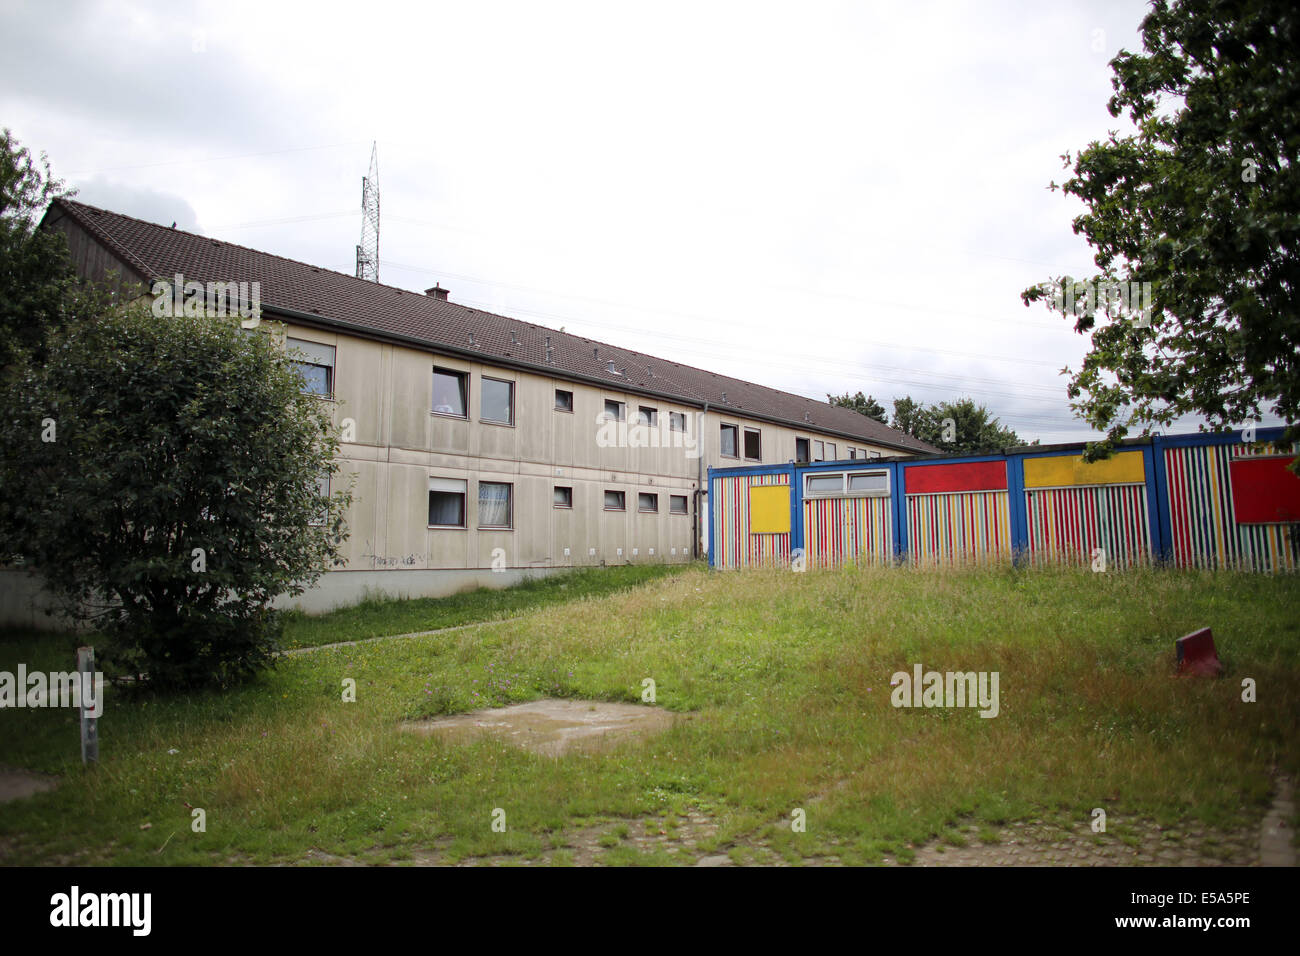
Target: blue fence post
x,y
1016,508
796,509
1158,502
898,505
713,505
796,530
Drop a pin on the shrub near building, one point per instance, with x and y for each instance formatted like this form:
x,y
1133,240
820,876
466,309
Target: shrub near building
x,y
168,478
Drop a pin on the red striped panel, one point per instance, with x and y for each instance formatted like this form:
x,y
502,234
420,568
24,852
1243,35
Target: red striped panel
x,y
964,476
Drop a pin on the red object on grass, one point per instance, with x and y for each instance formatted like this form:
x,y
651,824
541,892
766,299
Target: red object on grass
x,y
1197,656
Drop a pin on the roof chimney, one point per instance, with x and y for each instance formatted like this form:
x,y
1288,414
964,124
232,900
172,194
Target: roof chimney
x,y
611,366
437,292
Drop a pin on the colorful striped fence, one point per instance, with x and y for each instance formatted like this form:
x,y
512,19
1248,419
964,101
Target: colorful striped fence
x,y
731,536
839,530
1203,501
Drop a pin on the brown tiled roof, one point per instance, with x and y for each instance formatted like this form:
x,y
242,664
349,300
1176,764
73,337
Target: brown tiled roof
x,y
155,251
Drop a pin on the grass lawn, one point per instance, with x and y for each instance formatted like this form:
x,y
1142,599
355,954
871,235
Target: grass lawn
x,y
785,679
379,617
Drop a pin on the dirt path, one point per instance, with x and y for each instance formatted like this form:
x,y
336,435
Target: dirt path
x,y
397,637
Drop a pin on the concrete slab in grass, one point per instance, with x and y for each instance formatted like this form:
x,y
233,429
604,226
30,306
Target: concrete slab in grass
x,y
20,784
553,727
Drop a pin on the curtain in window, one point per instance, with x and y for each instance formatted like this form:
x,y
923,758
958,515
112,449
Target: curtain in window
x,y
316,378
493,504
447,508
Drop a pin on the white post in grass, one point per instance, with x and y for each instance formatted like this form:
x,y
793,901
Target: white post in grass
x,y
89,724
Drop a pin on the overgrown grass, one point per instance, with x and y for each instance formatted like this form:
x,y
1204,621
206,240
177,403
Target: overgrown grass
x,y
379,617
786,680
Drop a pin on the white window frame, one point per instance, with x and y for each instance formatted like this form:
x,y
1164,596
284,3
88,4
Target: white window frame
x,y
844,491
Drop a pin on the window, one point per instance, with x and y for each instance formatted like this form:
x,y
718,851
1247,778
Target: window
x,y
753,444
873,483
323,491
678,504
853,452
498,401
615,501
677,421
315,363
729,441
647,502
801,450
449,391
819,451
873,454
647,416
830,451
493,504
862,484
563,497
613,410
823,486
447,502
563,400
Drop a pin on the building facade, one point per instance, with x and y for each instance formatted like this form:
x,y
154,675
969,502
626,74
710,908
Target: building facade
x,y
480,448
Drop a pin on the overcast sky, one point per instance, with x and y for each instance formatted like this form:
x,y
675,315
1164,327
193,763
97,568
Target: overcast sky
x,y
820,197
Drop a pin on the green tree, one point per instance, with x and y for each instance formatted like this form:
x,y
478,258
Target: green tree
x,y
956,427
1202,202
862,404
967,428
912,417
161,474
36,275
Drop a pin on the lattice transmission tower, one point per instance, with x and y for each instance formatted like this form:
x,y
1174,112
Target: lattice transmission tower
x,y
368,248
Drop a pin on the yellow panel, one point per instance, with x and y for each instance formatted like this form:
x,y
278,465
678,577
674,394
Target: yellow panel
x,y
1065,470
769,509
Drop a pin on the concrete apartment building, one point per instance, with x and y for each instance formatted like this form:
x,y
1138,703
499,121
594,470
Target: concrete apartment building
x,y
484,448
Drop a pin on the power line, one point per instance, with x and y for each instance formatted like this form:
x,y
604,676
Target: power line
x,y
733,349
1030,323
692,316
283,221
209,159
